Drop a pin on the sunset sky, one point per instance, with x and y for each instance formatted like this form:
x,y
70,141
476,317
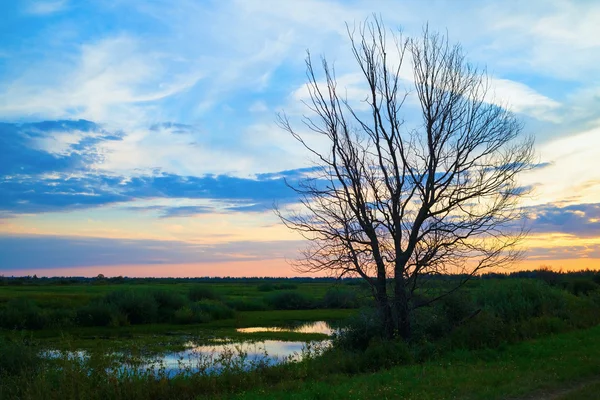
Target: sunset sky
x,y
138,137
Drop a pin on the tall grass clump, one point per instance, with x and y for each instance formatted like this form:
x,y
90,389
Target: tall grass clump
x,y
517,300
340,298
290,300
197,293
22,313
100,313
17,357
246,304
215,309
140,307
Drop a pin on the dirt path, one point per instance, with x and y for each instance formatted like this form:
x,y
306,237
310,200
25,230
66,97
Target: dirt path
x,y
582,390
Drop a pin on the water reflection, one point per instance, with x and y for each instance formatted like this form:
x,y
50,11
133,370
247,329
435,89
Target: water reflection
x,y
205,359
311,327
211,359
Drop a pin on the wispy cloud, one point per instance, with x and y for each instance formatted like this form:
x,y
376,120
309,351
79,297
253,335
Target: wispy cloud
x,y
45,7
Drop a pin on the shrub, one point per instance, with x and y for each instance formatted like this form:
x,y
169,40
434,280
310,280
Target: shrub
x,y
286,286
290,300
215,309
483,330
582,287
430,323
97,313
359,331
265,287
197,293
385,354
517,300
60,317
246,304
23,314
139,307
340,298
457,307
269,287
191,315
168,302
17,357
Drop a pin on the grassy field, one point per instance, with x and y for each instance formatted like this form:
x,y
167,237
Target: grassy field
x,y
498,338
533,369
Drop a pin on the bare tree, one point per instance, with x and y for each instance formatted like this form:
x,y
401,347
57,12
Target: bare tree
x,y
395,204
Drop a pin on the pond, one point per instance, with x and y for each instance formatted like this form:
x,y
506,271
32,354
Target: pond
x,y
310,327
215,358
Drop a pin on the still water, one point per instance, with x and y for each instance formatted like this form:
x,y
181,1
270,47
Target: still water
x,y
218,357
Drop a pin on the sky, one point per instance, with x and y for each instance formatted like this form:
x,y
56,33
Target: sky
x,y
139,137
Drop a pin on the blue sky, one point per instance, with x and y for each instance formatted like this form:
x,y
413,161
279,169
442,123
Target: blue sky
x,y
139,137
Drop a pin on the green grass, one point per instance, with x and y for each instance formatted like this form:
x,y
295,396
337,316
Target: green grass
x,y
540,365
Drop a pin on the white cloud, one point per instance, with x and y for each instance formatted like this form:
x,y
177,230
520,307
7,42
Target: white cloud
x,y
114,79
572,175
39,7
520,98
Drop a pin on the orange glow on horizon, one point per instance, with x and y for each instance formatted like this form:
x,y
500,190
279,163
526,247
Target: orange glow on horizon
x,y
263,268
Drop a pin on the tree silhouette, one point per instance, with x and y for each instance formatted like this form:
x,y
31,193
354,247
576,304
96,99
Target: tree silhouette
x,y
401,204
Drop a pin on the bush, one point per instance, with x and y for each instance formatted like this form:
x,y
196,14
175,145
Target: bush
x,y
286,286
191,315
385,354
290,300
517,300
265,287
98,313
340,298
483,330
269,287
60,317
246,304
23,314
430,323
582,287
168,302
456,307
17,357
139,307
197,293
215,309
359,331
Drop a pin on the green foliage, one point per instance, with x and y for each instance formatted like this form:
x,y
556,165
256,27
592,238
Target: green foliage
x,y
98,313
518,300
23,314
140,307
17,357
214,308
290,300
359,330
269,286
483,330
191,315
246,304
199,292
582,287
340,298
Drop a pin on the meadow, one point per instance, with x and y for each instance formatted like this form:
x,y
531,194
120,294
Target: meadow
x,y
501,336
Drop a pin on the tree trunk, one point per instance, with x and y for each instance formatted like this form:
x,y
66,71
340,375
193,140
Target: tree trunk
x,y
402,309
385,314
